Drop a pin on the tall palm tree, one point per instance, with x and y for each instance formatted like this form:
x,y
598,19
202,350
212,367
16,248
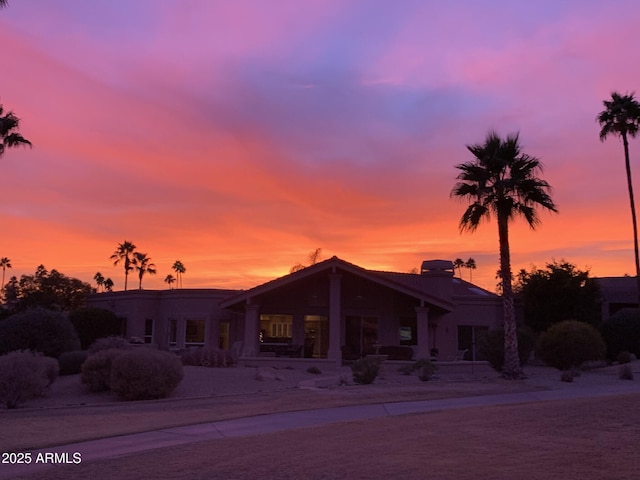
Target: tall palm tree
x,y
178,267
4,264
170,280
4,3
99,278
9,124
124,254
621,116
458,263
502,181
471,265
108,284
142,263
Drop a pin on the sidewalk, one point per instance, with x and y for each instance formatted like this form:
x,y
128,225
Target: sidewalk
x,y
262,424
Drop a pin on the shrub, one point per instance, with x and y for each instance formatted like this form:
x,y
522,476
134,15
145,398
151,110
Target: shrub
x,y
566,376
314,370
365,370
96,369
625,372
145,373
569,344
209,357
25,375
39,330
491,346
108,343
621,332
92,323
425,368
624,357
71,362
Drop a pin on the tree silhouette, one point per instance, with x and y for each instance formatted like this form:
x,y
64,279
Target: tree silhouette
x,y
458,263
313,258
621,116
99,278
9,125
108,284
4,263
501,181
124,254
471,265
142,263
170,279
179,268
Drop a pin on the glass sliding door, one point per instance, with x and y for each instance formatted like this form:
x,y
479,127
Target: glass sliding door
x,y
361,334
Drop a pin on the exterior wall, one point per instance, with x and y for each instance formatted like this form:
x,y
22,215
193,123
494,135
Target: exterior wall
x,y
137,306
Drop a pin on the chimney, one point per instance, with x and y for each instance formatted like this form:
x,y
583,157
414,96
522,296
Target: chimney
x,y
438,277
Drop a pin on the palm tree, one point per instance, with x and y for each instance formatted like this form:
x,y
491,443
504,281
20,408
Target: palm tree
x,y
4,3
621,116
458,263
471,265
124,253
9,125
178,267
143,264
4,263
99,280
169,279
108,284
501,180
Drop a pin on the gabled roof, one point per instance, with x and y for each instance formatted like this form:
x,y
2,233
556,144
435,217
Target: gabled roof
x,y
415,288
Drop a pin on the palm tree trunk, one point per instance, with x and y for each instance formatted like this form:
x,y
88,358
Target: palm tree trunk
x,y
511,368
633,211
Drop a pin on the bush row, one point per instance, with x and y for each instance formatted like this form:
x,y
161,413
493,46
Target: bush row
x,y
25,375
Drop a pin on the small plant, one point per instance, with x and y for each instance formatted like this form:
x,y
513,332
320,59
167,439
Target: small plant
x,y
425,368
625,372
314,370
96,369
621,332
365,370
108,343
566,376
145,374
209,357
569,344
624,357
71,362
25,375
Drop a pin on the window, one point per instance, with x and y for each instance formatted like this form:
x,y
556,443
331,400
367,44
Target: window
x,y
173,332
194,334
148,331
469,338
408,331
276,328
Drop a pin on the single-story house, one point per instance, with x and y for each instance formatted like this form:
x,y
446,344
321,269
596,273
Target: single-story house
x,y
332,310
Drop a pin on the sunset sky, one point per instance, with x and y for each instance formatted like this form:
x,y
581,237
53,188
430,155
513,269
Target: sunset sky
x,y
239,136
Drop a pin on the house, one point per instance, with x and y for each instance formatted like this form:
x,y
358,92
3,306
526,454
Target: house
x,y
333,310
617,293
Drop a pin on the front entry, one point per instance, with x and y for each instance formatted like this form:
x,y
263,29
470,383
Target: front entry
x,y
361,334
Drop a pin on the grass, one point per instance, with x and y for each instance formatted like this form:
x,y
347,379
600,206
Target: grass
x,y
590,439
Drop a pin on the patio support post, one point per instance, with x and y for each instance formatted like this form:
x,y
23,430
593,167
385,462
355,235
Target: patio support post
x,y
423,332
335,314
251,327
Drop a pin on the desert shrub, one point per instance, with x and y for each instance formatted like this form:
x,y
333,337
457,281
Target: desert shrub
x,y
209,357
71,362
145,373
625,372
621,332
314,370
423,366
566,376
108,343
491,346
92,323
365,370
25,375
569,344
96,369
624,357
38,330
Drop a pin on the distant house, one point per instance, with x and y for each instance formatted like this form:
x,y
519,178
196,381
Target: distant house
x,y
332,310
617,293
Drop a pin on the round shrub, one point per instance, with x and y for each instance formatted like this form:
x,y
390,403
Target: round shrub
x,y
25,375
621,332
145,374
71,362
96,369
38,330
107,343
93,323
365,370
491,346
569,344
